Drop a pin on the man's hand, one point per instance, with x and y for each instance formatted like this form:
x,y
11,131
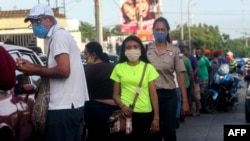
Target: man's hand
x,y
25,66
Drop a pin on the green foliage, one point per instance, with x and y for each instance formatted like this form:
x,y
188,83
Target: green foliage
x,y
207,36
238,47
87,31
116,30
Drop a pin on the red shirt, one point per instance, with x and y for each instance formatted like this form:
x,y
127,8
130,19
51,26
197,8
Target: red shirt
x,y
7,70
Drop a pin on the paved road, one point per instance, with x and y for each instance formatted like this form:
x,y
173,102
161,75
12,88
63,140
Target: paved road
x,y
209,127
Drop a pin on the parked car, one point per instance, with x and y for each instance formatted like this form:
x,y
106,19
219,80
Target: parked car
x,y
113,58
17,103
43,58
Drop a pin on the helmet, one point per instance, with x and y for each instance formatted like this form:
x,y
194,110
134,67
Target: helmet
x,y
229,58
217,52
207,52
230,53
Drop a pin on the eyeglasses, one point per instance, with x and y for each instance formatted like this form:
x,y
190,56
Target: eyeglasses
x,y
35,22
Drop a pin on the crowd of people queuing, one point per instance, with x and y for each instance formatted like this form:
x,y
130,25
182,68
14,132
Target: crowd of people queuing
x,y
174,80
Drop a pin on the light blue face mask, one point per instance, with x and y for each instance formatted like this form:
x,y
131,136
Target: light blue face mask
x,y
40,30
160,37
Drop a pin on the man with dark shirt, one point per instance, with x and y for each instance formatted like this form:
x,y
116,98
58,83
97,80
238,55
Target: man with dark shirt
x,y
195,83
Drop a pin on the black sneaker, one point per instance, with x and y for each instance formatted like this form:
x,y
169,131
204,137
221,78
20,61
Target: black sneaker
x,y
182,118
177,123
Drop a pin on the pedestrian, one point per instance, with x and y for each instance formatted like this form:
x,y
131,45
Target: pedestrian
x,y
232,62
166,58
100,88
215,64
207,53
195,95
68,88
188,74
126,75
7,70
204,70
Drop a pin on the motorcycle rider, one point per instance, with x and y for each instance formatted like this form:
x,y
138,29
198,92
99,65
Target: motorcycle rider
x,y
232,63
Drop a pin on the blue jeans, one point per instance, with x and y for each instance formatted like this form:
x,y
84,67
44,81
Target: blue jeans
x,y
179,100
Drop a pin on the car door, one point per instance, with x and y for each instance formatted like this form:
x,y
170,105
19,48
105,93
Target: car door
x,y
24,102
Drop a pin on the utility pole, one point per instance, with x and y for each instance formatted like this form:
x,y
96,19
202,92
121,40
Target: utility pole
x,y
64,8
245,37
159,9
245,34
48,2
98,21
189,25
182,35
189,30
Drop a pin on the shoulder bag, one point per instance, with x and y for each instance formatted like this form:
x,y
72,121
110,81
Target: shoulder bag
x,y
40,109
119,123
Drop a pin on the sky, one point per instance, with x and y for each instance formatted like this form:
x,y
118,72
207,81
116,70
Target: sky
x,y
232,16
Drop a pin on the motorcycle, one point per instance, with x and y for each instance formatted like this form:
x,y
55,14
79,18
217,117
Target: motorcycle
x,y
222,93
247,99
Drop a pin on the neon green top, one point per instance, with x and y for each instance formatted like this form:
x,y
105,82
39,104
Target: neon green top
x,y
129,78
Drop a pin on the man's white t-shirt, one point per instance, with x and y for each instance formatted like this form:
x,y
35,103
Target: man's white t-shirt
x,y
66,91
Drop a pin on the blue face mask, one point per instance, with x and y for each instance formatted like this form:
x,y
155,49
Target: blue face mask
x,y
40,30
160,37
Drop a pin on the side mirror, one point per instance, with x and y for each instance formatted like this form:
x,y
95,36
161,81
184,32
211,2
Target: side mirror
x,y
29,88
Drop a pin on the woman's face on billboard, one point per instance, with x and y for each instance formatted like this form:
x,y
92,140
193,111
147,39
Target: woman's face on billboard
x,y
144,7
129,11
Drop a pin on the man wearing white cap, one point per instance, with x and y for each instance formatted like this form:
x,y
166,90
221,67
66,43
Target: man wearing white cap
x,y
68,89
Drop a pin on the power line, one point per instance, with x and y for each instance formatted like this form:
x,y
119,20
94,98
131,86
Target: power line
x,y
208,13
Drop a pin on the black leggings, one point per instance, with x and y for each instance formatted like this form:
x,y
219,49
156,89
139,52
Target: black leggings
x,y
167,107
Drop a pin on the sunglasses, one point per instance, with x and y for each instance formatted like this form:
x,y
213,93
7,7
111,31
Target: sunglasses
x,y
37,21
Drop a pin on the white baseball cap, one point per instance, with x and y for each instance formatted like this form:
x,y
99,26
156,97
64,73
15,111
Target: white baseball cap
x,y
39,11
230,53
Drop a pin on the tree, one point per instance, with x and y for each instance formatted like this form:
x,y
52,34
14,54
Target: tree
x,y
106,33
207,36
116,30
87,31
203,35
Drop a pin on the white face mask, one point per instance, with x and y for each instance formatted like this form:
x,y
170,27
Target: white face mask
x,y
133,54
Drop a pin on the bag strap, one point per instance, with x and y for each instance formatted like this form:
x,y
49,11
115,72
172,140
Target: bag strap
x,y
138,90
48,52
46,79
50,45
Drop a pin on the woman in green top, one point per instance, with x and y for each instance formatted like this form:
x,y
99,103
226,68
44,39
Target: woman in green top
x,y
126,75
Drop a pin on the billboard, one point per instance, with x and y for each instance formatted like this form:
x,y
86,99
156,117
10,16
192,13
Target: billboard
x,y
136,14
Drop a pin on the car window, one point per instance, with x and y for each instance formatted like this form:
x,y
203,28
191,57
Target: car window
x,y
34,79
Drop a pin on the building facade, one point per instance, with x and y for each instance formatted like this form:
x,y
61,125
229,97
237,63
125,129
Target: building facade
x,y
13,27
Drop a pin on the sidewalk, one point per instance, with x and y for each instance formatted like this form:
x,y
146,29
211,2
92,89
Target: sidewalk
x,y
209,127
